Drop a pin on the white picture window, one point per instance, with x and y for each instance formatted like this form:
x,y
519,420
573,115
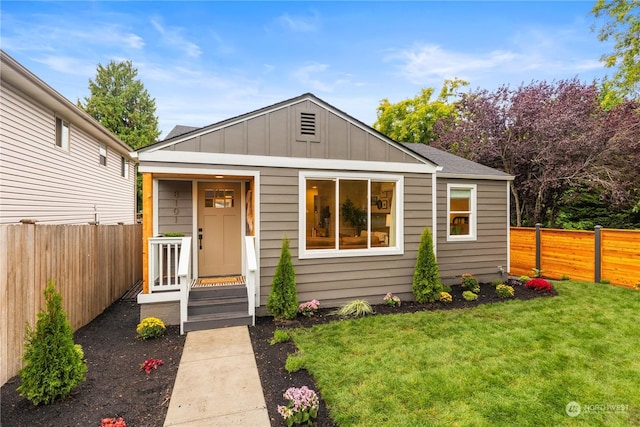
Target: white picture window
x,y
103,154
461,212
62,134
350,215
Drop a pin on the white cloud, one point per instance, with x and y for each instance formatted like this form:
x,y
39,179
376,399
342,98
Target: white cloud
x,y
172,36
68,65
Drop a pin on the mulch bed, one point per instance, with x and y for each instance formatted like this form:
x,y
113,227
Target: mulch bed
x,y
271,358
116,387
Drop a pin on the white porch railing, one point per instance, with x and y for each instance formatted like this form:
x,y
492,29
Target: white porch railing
x,y
184,272
165,254
250,269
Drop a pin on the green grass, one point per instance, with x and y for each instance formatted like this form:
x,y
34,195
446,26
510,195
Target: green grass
x,y
514,363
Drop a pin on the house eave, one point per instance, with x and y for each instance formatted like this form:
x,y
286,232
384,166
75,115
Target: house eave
x,y
472,176
147,159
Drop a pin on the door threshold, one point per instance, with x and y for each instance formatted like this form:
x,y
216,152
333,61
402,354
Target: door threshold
x,y
204,282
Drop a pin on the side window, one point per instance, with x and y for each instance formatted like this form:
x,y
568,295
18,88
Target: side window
x,y
103,154
124,167
62,134
461,212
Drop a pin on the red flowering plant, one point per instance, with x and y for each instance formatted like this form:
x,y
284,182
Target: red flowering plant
x,y
113,422
539,285
150,364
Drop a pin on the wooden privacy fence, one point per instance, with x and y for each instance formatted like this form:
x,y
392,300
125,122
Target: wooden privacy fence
x,y
593,256
92,265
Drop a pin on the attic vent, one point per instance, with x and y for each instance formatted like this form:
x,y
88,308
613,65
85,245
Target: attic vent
x,y
307,124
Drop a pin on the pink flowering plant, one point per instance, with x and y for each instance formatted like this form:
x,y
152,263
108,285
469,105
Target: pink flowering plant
x,y
539,284
302,408
309,308
391,300
113,422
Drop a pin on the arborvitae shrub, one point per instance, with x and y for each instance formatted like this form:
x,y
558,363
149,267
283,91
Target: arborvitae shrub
x,y
283,297
426,278
54,365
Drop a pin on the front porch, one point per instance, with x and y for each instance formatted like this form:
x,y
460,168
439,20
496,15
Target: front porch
x,y
174,295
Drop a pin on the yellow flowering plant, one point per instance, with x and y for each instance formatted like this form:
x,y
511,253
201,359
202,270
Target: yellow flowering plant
x,y
150,327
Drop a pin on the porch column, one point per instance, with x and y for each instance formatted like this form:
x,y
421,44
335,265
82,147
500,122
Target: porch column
x,y
147,226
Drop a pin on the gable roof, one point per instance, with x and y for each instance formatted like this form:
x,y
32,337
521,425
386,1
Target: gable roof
x,y
174,139
455,166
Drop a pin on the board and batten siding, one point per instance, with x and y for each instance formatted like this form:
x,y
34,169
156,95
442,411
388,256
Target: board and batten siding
x,y
334,281
482,256
175,207
49,184
275,133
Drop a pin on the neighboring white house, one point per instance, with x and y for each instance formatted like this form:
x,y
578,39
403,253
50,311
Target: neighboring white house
x,y
57,164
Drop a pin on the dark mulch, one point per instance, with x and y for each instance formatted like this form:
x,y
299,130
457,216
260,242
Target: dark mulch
x,y
271,358
115,386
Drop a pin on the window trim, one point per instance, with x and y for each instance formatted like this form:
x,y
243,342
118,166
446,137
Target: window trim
x,y
61,143
473,214
304,253
124,167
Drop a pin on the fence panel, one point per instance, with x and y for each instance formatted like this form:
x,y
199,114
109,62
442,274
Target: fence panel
x,y
621,256
93,265
573,253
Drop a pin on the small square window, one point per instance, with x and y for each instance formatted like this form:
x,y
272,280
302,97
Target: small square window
x,y
62,134
103,155
461,212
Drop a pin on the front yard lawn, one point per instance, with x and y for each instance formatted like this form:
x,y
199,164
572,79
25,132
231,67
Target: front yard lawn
x,y
513,363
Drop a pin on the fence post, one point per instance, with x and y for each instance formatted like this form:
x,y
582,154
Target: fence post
x,y
538,239
598,254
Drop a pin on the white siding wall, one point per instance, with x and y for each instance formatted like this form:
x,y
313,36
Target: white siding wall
x,y
43,182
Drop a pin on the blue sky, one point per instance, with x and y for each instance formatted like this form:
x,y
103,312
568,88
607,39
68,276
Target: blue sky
x,y
206,61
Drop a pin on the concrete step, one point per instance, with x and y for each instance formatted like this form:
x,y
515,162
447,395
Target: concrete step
x,y
217,305
216,321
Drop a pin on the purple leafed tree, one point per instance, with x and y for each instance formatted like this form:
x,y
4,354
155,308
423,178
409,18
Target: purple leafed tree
x,y
550,136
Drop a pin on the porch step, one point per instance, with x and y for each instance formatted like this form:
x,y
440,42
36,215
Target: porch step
x,y
218,320
217,307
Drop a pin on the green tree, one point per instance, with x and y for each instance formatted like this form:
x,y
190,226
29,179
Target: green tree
x,y
412,120
426,278
283,297
54,365
121,104
622,25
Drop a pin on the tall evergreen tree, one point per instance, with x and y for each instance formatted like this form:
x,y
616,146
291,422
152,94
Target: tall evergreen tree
x,y
121,103
426,278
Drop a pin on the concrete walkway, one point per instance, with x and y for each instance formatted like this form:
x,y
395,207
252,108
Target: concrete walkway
x,y
217,382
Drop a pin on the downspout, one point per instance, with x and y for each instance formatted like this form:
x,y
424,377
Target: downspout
x,y
434,213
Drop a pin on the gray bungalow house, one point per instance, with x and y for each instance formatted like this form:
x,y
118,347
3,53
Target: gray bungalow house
x,y
352,202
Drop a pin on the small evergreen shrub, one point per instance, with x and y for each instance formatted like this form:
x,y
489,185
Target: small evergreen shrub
x,y
445,297
497,282
283,297
426,285
294,362
446,288
54,364
469,296
356,308
470,283
505,291
280,336
150,327
539,285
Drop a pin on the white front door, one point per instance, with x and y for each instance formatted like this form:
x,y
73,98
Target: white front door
x,y
219,228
